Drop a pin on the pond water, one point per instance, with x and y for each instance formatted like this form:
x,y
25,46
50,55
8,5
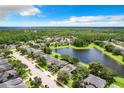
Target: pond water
x,y
92,55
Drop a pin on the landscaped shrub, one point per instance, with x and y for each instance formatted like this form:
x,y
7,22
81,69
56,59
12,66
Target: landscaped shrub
x,y
41,61
47,50
56,56
63,76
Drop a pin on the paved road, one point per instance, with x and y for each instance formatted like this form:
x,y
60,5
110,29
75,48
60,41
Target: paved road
x,y
37,72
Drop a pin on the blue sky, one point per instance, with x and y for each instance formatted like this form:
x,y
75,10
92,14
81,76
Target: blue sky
x,y
83,15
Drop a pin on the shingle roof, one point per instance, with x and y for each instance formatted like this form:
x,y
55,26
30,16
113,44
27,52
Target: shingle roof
x,y
14,83
8,77
5,75
5,67
95,81
69,68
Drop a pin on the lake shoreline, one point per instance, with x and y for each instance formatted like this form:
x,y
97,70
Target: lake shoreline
x,y
118,59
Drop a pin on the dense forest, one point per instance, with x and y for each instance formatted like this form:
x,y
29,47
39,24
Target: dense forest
x,y
86,34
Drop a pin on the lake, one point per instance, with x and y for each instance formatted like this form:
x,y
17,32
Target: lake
x,y
92,55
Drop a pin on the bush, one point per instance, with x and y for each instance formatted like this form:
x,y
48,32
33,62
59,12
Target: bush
x,y
23,51
71,60
7,53
65,57
41,61
63,76
54,68
116,51
47,50
78,43
80,73
37,81
109,47
76,84
56,56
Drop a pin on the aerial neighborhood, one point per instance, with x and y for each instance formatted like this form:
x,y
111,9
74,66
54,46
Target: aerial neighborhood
x,y
41,62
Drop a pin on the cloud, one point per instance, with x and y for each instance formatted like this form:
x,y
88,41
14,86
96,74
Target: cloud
x,y
116,20
27,10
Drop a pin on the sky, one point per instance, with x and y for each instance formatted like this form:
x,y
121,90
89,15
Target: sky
x,y
62,15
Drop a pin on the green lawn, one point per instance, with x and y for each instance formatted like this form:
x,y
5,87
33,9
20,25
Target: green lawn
x,y
84,64
117,58
70,82
71,46
54,54
119,82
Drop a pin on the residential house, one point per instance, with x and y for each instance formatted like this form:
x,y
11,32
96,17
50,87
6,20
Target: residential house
x,y
69,67
93,81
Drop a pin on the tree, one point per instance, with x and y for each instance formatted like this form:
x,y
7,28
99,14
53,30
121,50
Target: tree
x,y
65,57
30,55
56,56
78,43
116,51
7,53
47,50
96,69
63,76
109,47
80,73
47,44
73,60
54,68
23,51
41,61
37,81
76,84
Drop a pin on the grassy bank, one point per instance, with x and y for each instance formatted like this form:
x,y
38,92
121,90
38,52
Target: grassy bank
x,y
54,54
119,82
71,46
117,58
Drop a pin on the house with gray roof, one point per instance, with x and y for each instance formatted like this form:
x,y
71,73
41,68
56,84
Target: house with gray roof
x,y
8,76
69,67
5,67
13,83
93,81
3,61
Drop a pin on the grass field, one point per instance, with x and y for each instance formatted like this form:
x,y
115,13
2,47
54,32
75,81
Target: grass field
x,y
119,82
